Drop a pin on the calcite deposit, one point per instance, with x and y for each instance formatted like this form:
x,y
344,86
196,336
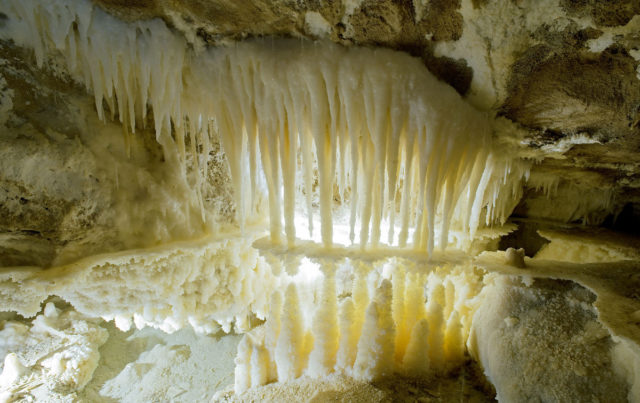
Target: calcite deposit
x,y
313,201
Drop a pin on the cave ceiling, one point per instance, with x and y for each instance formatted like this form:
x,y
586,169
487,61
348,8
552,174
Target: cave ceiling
x,y
567,72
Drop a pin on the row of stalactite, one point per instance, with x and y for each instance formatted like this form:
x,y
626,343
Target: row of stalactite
x,y
314,123
414,324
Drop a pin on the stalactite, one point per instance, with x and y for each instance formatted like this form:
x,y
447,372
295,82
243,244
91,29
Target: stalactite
x,y
362,125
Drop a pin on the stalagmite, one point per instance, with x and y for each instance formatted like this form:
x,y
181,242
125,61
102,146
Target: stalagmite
x,y
415,361
325,328
398,310
453,343
242,370
396,333
366,364
360,296
348,343
259,363
289,353
376,345
414,308
449,298
272,331
436,334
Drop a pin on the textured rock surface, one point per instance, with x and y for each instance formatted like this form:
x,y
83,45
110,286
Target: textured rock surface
x,y
526,329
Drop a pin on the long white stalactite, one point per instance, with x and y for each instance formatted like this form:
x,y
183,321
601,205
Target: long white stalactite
x,y
370,130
